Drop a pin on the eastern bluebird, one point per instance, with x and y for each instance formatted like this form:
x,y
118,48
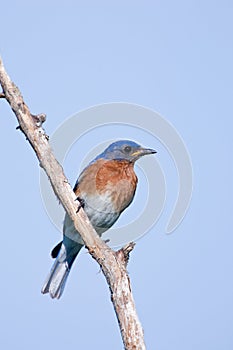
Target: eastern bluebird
x,y
105,188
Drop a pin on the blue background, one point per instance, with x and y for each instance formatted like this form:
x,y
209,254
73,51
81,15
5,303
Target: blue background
x,y
173,57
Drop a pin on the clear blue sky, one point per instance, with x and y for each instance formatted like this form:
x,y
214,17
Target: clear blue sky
x,y
175,58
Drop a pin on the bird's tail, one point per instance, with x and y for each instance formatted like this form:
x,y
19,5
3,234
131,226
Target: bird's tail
x,y
65,256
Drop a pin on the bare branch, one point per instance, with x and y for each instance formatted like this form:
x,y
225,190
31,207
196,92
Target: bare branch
x,y
113,264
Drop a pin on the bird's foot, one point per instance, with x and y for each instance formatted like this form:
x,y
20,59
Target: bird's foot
x,y
81,203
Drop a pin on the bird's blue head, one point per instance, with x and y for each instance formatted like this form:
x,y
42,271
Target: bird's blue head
x,y
125,150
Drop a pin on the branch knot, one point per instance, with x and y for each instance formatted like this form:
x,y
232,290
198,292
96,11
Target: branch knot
x,y
39,119
124,252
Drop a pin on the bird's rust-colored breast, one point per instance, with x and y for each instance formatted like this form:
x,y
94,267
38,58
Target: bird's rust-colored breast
x,y
113,178
113,172
119,180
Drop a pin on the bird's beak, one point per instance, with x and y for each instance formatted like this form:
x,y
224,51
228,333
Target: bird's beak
x,y
143,152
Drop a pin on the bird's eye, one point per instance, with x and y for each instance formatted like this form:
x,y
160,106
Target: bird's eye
x,y
127,149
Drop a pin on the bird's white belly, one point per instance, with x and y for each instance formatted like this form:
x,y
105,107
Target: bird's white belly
x,y
100,212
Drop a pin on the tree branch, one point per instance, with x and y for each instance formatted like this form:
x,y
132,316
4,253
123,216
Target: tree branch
x,y
113,264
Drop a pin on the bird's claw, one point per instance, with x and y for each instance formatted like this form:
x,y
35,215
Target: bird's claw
x,y
81,203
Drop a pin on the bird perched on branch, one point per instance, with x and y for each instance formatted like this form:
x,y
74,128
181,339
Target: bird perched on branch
x,y
105,188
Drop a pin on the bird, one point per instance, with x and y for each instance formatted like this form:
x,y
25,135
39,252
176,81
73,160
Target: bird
x,y
105,188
